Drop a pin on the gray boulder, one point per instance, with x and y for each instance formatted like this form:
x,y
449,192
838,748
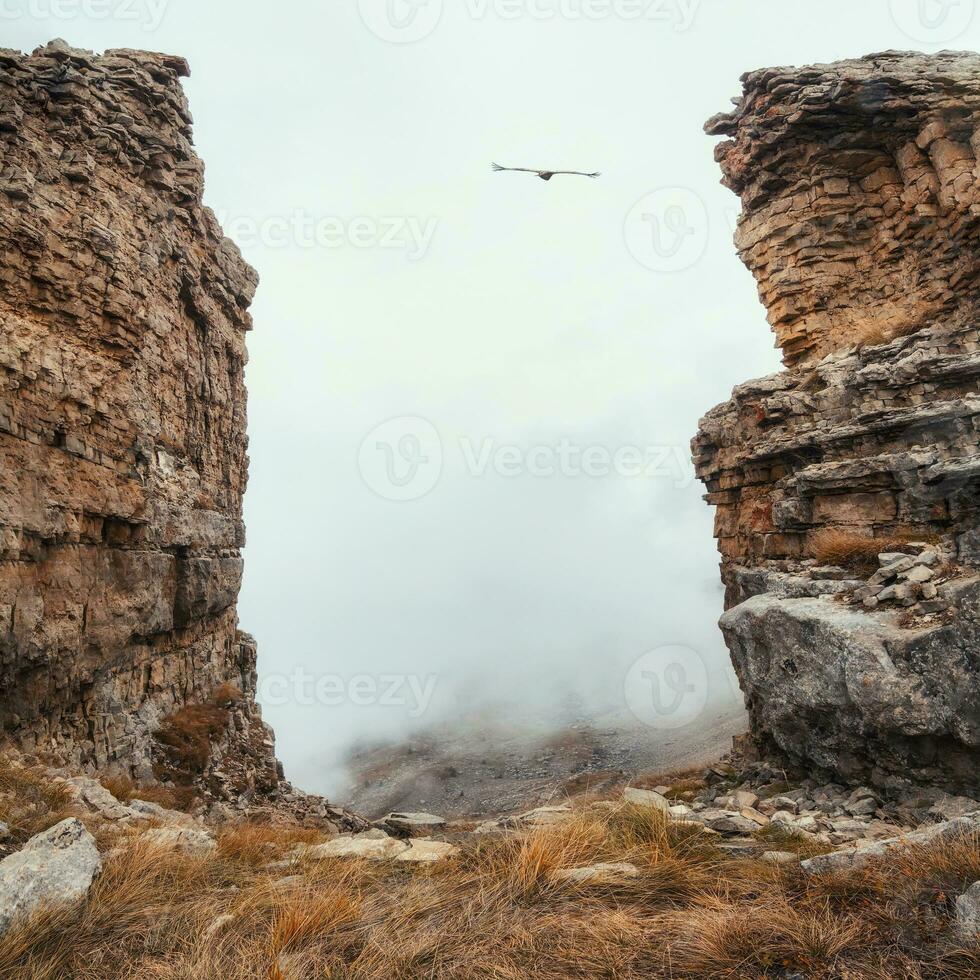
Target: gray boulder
x,y
856,693
411,824
54,868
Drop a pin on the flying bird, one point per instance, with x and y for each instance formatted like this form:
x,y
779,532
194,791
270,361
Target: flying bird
x,y
544,174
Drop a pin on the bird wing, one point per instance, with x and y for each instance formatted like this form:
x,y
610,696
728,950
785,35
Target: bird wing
x,y
578,173
525,170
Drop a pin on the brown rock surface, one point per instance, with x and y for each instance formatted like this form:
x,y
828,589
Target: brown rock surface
x,y
861,197
123,312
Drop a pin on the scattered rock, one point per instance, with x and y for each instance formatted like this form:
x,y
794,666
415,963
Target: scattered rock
x,y
646,797
780,857
427,852
545,816
366,846
189,840
867,852
598,874
411,824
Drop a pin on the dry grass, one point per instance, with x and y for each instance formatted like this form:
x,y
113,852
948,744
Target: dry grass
x,y
777,838
498,913
125,790
876,334
29,801
859,553
256,844
189,732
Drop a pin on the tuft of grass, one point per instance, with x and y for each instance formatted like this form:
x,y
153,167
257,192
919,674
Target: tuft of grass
x,y
723,941
227,695
256,844
857,552
187,736
126,790
30,801
777,838
876,334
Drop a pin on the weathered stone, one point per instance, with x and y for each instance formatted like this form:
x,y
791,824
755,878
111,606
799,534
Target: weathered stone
x,y
53,868
865,853
727,823
411,824
646,797
122,441
780,857
123,317
427,852
834,687
358,846
189,840
545,816
598,874
862,236
968,913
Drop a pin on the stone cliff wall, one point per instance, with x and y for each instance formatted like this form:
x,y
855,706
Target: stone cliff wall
x,y
860,195
861,201
123,312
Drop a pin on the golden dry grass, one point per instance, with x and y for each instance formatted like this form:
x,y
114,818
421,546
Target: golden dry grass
x,y
29,801
187,735
497,913
847,549
126,790
876,334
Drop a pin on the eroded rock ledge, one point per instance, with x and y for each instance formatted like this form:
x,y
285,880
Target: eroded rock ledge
x,y
861,196
123,312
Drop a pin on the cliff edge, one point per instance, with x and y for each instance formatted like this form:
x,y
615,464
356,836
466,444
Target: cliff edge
x,y
123,314
847,487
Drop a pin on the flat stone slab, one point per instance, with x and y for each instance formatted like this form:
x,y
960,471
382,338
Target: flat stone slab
x,y
646,797
597,874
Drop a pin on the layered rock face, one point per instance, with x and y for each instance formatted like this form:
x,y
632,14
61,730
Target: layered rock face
x,y
861,202
860,195
123,312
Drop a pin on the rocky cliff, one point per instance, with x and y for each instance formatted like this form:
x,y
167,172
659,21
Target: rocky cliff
x,y
123,313
848,487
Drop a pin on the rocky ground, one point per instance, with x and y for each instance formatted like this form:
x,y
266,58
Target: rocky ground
x,y
731,871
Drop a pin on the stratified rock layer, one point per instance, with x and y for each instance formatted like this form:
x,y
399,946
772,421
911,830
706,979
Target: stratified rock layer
x,y
123,312
860,194
861,197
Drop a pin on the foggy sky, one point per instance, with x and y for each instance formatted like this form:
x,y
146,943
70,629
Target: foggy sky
x,y
516,315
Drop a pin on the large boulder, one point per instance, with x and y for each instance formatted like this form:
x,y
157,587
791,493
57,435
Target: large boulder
x,y
53,868
857,694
